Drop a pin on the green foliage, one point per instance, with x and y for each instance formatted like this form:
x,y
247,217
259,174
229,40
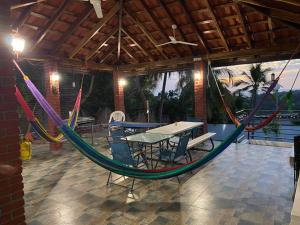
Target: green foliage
x,y
273,127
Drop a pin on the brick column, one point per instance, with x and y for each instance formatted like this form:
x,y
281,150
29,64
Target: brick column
x,y
53,97
11,185
118,91
200,92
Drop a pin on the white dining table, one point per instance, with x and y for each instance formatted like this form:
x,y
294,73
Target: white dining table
x,y
175,128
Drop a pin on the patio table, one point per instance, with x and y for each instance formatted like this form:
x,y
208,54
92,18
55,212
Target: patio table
x,y
148,139
176,128
135,125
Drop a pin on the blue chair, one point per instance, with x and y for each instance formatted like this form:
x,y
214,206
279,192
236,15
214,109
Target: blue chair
x,y
123,153
117,133
176,151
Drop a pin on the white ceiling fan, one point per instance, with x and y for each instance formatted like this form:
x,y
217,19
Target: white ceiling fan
x,y
174,41
97,7
95,3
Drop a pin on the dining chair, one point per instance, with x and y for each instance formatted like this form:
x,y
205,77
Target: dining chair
x,y
122,152
177,151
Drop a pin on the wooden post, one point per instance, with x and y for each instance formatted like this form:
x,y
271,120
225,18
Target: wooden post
x,y
119,90
11,185
53,97
200,92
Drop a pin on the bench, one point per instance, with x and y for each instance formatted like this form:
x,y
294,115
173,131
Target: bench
x,y
198,140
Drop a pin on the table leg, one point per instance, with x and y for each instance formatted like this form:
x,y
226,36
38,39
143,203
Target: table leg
x,y
151,156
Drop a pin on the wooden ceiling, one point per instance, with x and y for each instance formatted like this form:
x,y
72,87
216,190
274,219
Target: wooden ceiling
x,y
228,31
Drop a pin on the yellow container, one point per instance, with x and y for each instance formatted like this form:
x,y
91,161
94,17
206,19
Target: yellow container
x,y
25,150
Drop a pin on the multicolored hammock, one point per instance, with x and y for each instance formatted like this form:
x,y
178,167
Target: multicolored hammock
x,y
120,168
269,119
36,124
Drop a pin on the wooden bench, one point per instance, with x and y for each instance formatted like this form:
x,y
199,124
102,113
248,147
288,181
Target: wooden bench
x,y
198,140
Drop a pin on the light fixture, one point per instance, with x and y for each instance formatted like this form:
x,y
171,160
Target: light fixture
x,y
197,75
132,45
73,84
18,44
55,77
122,82
105,45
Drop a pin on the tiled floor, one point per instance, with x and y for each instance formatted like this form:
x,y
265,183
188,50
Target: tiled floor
x,y
246,185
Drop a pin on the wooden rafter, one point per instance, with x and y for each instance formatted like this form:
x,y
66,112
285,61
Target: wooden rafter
x,y
108,54
23,17
292,2
101,44
125,49
145,52
25,4
73,28
95,30
217,25
276,16
120,31
50,23
157,24
271,34
243,23
146,33
192,22
163,5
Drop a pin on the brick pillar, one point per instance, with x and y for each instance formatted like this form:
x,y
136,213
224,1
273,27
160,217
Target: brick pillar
x,y
53,97
118,91
11,185
200,92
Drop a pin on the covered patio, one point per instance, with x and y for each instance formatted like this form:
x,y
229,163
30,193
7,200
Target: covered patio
x,y
128,40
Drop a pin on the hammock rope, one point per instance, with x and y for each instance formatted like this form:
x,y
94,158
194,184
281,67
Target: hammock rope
x,y
35,122
268,120
122,169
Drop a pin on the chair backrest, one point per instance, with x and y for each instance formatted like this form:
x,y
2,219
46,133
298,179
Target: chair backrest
x,y
117,133
182,145
120,151
116,116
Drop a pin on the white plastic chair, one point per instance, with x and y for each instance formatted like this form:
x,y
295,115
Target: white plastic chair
x,y
116,116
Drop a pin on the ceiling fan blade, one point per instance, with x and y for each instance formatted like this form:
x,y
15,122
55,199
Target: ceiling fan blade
x,y
25,4
167,43
172,38
97,7
186,43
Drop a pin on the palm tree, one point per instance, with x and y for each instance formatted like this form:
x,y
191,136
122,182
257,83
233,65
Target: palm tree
x,y
257,80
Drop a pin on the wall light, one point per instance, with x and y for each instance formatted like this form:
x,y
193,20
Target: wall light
x,y
197,75
55,77
122,82
18,44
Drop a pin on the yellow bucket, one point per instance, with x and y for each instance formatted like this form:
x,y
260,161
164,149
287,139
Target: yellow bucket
x,y
25,150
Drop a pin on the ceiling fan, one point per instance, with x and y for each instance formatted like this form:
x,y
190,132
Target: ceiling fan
x,y
95,3
174,41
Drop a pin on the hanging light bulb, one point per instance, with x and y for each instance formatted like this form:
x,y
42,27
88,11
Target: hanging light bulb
x,y
18,44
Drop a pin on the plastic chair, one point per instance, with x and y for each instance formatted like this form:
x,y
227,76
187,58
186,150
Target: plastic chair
x,y
123,153
116,116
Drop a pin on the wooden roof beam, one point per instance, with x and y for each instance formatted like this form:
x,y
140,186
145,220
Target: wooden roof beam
x,y
96,29
292,2
73,28
22,19
192,22
157,24
173,21
125,49
272,14
243,23
50,23
108,54
271,34
101,44
212,14
145,52
147,34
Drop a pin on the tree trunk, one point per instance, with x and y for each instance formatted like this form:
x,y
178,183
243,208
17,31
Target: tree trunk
x,y
254,96
161,106
141,94
87,95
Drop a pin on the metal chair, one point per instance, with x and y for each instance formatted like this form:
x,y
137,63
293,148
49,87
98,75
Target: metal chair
x,y
123,153
176,151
